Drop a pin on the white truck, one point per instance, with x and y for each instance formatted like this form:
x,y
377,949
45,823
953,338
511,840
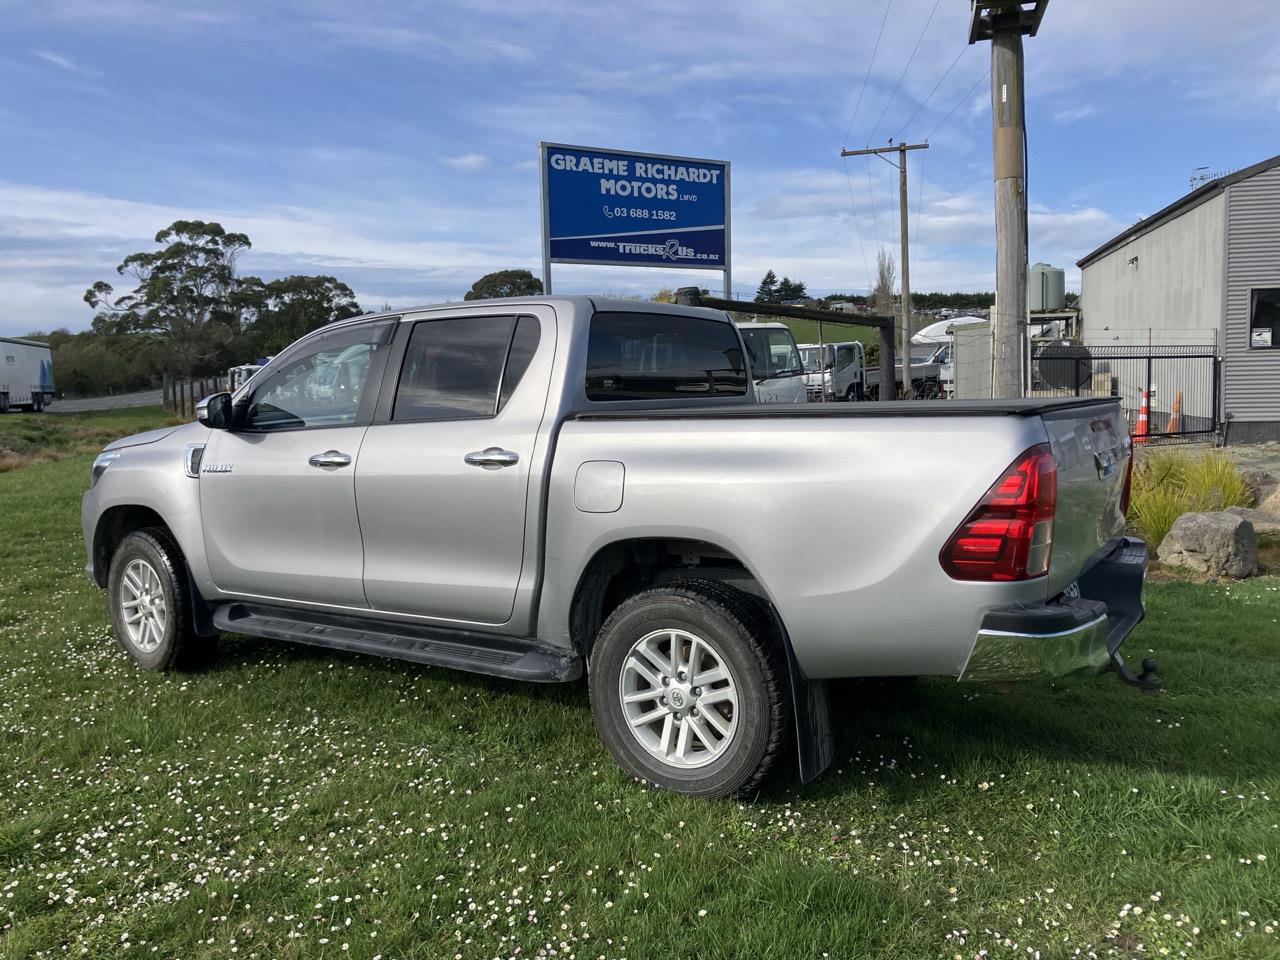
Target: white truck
x,y
837,370
775,362
26,375
535,488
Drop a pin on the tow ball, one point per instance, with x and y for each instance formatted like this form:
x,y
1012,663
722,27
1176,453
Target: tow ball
x,y
1148,680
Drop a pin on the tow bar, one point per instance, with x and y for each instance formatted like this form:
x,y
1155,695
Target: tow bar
x,y
1148,681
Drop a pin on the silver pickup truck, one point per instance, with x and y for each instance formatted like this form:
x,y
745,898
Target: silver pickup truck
x,y
535,488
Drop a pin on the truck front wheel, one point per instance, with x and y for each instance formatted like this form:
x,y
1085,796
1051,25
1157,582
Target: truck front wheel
x,y
688,689
150,604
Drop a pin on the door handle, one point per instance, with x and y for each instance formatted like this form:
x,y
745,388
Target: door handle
x,y
330,458
491,458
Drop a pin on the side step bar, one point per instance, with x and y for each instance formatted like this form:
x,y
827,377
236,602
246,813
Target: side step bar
x,y
511,657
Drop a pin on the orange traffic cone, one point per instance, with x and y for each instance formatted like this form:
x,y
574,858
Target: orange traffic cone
x,y
1176,414
1141,431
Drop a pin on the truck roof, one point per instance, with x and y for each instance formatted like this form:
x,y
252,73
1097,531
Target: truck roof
x,y
29,343
583,303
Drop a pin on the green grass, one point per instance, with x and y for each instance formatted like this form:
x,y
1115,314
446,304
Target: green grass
x,y
27,438
288,802
806,331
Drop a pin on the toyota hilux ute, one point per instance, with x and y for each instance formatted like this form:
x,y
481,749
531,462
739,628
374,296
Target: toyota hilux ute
x,y
545,487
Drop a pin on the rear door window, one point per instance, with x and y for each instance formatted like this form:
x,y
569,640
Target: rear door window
x,y
463,368
656,356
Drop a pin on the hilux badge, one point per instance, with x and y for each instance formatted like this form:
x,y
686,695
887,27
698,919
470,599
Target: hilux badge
x,y
217,468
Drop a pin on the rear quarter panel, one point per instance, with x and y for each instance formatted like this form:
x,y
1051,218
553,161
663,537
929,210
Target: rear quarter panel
x,y
841,521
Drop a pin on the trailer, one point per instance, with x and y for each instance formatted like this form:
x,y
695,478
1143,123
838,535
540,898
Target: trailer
x,y
26,375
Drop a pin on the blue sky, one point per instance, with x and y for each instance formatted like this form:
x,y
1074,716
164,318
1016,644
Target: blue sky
x,y
393,144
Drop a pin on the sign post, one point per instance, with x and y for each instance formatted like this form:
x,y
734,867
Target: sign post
x,y
618,208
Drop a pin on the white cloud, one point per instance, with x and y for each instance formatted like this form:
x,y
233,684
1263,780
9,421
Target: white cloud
x,y
467,161
1072,114
66,63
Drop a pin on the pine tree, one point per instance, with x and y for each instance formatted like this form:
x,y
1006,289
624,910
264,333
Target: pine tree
x,y
789,290
767,292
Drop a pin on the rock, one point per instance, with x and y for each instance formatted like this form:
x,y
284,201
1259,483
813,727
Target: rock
x,y
1219,544
1265,489
1267,523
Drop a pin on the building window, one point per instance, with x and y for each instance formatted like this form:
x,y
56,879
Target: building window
x,y
1264,319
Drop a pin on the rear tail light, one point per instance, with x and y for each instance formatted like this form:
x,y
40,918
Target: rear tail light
x,y
1009,534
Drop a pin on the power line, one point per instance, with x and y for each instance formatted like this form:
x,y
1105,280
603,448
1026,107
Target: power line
x,y
902,76
925,102
986,73
875,215
915,237
870,64
857,222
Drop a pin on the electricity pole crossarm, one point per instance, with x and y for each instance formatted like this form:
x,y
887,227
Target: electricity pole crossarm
x,y
901,149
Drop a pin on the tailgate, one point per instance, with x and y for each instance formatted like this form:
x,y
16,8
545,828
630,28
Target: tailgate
x,y
1091,448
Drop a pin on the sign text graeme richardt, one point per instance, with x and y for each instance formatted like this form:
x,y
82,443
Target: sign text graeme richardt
x,y
615,171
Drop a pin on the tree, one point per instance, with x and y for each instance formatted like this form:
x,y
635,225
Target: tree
x,y
504,283
767,292
667,295
292,306
886,277
789,290
184,294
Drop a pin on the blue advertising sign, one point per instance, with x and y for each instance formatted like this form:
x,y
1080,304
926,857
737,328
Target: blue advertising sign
x,y
634,209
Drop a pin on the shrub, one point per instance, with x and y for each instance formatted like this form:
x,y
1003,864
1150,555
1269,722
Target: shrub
x,y
1168,483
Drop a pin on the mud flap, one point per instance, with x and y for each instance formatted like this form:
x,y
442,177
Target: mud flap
x,y
811,707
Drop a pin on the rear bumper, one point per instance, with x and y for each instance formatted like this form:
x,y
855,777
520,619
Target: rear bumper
x,y
1068,635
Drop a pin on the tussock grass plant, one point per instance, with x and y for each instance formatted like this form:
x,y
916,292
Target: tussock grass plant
x,y
1168,483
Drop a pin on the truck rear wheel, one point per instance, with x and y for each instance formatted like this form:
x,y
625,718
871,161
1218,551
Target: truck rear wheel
x,y
688,689
150,604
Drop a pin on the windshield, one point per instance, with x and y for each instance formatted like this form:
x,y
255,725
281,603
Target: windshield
x,y
773,352
811,356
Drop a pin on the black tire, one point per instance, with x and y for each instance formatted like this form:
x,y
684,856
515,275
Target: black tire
x,y
851,395
179,646
743,636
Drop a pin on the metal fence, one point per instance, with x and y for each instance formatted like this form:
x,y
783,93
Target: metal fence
x,y
1181,382
181,394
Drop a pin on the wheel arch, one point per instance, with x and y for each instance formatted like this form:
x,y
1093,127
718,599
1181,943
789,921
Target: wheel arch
x,y
628,565
120,520
113,526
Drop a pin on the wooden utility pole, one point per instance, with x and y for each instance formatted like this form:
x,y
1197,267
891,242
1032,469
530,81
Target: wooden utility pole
x,y
901,148
1004,23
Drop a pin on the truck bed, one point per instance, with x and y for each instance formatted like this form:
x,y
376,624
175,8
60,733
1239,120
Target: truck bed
x,y
1023,407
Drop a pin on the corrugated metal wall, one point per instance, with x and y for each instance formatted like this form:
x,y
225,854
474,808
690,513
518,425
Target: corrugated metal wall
x,y
1251,378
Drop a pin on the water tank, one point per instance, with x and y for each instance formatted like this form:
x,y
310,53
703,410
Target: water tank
x,y
1046,287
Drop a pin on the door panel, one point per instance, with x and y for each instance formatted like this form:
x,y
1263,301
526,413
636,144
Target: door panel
x,y
277,494
276,526
445,538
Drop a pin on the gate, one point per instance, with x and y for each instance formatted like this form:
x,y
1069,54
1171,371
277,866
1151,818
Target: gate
x,y
1182,383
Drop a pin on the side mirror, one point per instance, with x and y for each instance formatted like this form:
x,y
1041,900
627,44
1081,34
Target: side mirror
x,y
214,411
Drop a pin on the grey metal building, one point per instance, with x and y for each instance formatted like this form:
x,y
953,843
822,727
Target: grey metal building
x,y
1204,270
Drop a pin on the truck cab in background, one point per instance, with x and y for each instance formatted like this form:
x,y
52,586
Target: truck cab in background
x,y
836,369
776,368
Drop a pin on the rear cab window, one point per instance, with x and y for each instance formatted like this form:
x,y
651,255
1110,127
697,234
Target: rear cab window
x,y
661,356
